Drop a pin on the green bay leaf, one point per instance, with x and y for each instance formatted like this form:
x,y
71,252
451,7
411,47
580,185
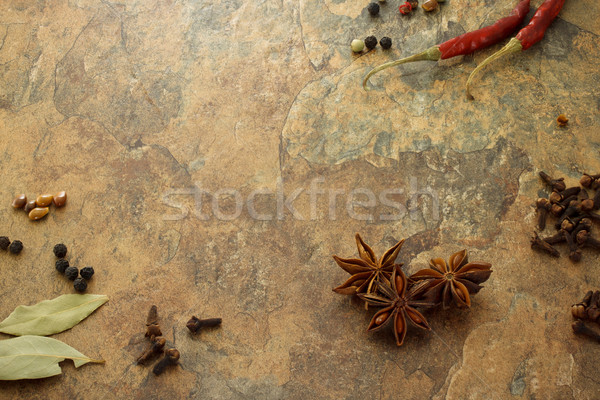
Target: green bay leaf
x,y
33,357
51,316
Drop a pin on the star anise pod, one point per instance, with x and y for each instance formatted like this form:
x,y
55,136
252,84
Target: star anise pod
x,y
399,305
455,281
366,270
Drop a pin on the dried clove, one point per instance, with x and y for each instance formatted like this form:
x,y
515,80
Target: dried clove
x,y
557,238
156,348
195,324
579,310
596,200
557,185
582,328
587,180
171,357
543,207
571,211
152,328
584,224
588,308
584,239
575,251
556,197
539,244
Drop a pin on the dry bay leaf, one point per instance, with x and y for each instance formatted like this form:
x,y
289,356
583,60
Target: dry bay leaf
x,y
33,357
51,316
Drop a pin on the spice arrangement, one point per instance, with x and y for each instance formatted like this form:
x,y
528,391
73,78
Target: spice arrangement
x,y
157,343
32,355
357,45
380,282
574,209
40,207
527,37
72,273
466,43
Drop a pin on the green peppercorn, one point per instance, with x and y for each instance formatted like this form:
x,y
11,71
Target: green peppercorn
x,y
15,247
373,9
80,284
357,45
71,273
385,42
86,273
4,243
60,250
61,265
371,42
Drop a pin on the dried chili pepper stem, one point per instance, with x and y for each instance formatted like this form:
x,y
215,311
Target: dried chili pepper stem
x,y
431,54
527,37
466,43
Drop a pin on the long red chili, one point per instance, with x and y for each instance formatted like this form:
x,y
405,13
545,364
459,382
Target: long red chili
x,y
465,43
527,37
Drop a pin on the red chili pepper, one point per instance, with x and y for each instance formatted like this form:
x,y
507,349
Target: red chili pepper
x,y
465,43
527,37
405,8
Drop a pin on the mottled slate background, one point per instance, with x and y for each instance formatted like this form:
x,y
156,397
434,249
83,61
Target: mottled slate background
x,y
131,105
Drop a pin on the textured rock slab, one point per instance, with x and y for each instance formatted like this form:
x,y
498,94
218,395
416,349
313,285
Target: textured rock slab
x,y
135,108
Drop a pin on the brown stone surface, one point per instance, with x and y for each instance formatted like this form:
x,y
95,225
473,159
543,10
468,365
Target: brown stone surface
x,y
129,106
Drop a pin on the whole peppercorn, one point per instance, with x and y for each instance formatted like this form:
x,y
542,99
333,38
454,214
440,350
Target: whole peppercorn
x,y
4,242
61,265
60,250
371,42
80,284
15,247
357,45
86,273
385,42
373,9
71,273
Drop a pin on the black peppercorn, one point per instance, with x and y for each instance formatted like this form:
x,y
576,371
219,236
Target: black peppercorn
x,y
4,242
371,42
71,273
60,250
373,9
385,42
86,273
80,284
15,247
62,265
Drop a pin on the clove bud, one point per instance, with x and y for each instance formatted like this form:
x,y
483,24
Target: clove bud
x,y
557,185
171,357
155,349
543,207
539,244
152,328
582,328
587,180
195,324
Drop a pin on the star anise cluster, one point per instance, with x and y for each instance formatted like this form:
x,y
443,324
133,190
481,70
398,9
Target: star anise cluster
x,y
382,283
